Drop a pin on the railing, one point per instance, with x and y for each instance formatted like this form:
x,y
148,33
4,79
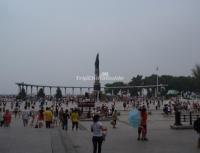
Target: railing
x,y
185,118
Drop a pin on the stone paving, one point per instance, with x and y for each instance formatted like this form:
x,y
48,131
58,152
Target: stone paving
x,y
162,139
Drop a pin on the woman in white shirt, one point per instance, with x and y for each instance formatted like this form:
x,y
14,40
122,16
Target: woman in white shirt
x,y
97,138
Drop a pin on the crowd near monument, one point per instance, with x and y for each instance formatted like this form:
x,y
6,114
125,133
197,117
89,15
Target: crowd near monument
x,y
100,76
114,118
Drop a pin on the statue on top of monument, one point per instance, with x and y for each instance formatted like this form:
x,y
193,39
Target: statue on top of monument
x,y
97,62
97,86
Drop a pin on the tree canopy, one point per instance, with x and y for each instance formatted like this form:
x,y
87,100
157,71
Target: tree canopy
x,y
58,94
22,94
41,93
196,74
179,83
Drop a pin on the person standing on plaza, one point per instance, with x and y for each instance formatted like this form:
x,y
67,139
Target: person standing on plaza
x,y
16,112
61,112
4,106
124,105
7,117
114,119
75,119
48,115
40,118
32,115
142,129
197,129
25,116
113,108
65,120
1,118
56,115
96,129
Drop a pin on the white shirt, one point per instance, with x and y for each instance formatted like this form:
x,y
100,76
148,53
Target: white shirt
x,y
97,129
25,114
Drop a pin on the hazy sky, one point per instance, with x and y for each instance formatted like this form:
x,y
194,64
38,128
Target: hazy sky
x,y
53,41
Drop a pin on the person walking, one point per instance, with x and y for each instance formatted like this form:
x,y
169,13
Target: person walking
x,y
16,112
97,139
56,116
32,116
65,120
48,115
114,119
7,118
25,116
124,105
40,118
75,119
61,112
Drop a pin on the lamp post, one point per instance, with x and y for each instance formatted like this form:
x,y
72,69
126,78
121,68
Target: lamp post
x,y
157,82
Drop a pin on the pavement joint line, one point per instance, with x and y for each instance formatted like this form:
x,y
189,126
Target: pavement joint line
x,y
63,140
64,143
52,150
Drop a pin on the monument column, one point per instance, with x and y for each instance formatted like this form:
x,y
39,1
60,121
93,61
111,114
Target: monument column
x,y
26,89
31,90
65,92
50,90
37,89
81,91
97,85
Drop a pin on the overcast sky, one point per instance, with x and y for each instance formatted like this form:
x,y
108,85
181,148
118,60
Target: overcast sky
x,y
51,42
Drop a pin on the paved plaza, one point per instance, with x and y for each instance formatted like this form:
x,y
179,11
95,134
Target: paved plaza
x,y
18,139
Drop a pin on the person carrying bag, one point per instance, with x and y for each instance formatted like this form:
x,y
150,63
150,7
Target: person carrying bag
x,y
99,134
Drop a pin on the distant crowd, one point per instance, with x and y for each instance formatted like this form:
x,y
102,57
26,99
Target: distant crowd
x,y
37,113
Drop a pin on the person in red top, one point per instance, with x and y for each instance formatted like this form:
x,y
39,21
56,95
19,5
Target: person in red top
x,y
142,129
41,118
7,118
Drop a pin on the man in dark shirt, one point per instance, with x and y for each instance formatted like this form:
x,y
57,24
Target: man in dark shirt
x,y
197,128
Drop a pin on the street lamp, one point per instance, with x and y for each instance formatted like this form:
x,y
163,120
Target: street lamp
x,y
157,82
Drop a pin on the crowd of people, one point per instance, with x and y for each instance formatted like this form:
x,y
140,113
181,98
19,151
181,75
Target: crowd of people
x,y
59,113
181,105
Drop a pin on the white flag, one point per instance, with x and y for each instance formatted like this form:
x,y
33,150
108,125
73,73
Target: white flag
x,y
157,68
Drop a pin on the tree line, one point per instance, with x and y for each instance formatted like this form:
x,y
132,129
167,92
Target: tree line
x,y
179,83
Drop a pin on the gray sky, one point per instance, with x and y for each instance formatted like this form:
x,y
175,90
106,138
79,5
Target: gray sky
x,y
51,42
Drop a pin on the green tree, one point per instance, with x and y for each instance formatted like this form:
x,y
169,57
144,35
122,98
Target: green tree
x,y
58,94
196,74
179,83
150,80
22,94
115,90
136,81
41,93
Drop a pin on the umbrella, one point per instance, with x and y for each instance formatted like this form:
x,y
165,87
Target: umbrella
x,y
134,118
172,92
